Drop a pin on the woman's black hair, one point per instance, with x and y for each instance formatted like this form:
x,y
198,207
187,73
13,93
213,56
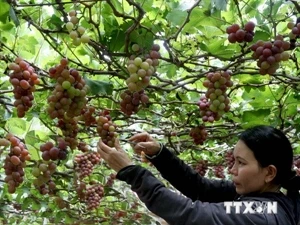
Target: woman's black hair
x,y
270,146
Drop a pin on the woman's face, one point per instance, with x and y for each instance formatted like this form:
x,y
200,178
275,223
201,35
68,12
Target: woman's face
x,y
248,176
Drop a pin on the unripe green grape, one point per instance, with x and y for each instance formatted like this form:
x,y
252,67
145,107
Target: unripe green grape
x,y
138,61
73,34
85,38
222,106
66,85
80,30
134,77
265,65
212,96
285,56
145,65
74,20
216,102
213,108
132,68
217,84
35,172
135,47
221,98
72,13
132,87
218,92
69,26
142,73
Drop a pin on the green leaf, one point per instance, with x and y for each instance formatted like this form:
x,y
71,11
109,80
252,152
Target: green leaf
x,y
220,4
172,71
176,17
55,22
13,16
4,11
6,26
17,126
99,87
261,35
255,117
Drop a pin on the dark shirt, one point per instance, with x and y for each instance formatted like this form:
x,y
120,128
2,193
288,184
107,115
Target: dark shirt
x,y
203,200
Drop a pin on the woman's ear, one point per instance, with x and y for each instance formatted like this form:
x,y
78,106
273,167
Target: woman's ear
x,y
271,172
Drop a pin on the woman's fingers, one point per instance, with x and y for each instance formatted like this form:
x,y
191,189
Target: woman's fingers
x,y
117,145
140,137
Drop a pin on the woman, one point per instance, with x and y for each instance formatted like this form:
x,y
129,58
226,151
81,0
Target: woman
x,y
263,164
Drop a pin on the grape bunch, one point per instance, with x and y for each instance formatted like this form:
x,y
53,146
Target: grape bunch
x,y
237,34
201,167
87,115
229,159
85,163
76,32
141,69
110,180
69,95
92,194
43,172
219,171
23,78
82,146
68,126
269,54
215,102
295,32
14,162
49,151
295,29
130,102
106,128
199,134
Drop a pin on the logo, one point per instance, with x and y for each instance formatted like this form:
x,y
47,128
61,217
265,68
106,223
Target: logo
x,y
253,207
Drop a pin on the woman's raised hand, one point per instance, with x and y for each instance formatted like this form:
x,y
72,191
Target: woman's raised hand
x,y
143,142
116,158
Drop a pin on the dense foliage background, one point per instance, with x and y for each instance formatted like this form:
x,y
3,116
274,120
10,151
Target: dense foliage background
x,y
193,42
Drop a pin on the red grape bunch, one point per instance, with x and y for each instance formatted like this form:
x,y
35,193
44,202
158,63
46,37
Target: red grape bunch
x,y
14,162
110,180
87,115
219,171
43,172
76,32
82,146
91,195
69,128
50,151
69,95
141,69
269,54
130,102
229,159
23,78
199,134
94,194
237,34
106,128
201,167
215,102
85,163
295,29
